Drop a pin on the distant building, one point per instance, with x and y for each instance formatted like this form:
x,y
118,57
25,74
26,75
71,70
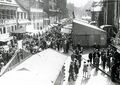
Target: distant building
x,y
63,11
22,18
35,12
50,7
97,13
8,19
8,9
111,12
55,9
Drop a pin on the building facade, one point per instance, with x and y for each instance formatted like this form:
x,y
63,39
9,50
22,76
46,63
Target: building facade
x,y
8,11
97,13
36,15
55,9
34,9
51,9
22,18
111,12
63,12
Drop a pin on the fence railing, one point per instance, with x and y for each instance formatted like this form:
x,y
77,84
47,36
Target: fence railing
x,y
17,58
11,63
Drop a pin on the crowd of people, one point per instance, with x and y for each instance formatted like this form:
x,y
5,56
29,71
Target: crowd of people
x,y
6,55
75,64
108,58
51,39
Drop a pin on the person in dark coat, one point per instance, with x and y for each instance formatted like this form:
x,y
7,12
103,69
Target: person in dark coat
x,y
58,44
116,56
114,71
80,59
97,62
94,55
90,57
44,44
73,56
103,58
71,72
108,61
67,46
76,67
51,44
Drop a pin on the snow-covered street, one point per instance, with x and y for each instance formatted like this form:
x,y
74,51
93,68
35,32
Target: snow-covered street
x,y
97,78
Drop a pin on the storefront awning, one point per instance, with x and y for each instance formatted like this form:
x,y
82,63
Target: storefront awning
x,y
5,38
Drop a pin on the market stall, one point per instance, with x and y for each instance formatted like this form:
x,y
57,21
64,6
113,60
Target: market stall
x,y
44,68
88,35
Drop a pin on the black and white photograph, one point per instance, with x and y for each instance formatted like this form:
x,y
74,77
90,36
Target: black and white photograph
x,y
60,42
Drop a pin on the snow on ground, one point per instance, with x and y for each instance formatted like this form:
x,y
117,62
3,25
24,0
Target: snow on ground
x,y
97,78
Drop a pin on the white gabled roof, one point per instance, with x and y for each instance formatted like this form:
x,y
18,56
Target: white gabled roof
x,y
40,69
96,9
88,25
19,9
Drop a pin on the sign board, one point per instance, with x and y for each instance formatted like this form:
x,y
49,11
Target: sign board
x,y
20,44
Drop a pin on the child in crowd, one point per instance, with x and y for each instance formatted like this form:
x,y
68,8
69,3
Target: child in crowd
x,y
88,69
85,70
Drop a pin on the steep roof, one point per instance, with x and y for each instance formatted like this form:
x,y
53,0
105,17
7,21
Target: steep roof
x,y
27,4
85,28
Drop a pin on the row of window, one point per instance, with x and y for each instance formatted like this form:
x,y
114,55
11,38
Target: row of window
x,y
36,15
9,29
22,15
7,14
11,14
38,26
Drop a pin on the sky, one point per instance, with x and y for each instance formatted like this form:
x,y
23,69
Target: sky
x,y
79,3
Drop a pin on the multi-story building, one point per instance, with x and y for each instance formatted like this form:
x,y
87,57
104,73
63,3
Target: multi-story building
x,y
111,12
50,7
63,12
34,10
97,13
22,18
8,9
55,9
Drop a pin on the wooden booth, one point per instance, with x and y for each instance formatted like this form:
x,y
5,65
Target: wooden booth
x,y
88,35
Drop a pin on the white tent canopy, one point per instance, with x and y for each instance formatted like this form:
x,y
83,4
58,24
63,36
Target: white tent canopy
x,y
40,69
5,37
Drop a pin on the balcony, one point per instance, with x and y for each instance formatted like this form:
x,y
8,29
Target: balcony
x,y
7,21
22,21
